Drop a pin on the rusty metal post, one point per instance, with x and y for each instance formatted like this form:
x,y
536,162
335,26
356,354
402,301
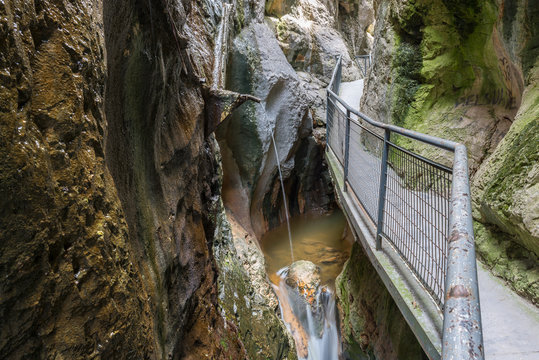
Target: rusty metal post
x,y
462,334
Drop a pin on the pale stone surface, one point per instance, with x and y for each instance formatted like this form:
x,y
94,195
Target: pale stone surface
x,y
510,323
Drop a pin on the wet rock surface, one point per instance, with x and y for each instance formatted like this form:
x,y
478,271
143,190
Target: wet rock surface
x,y
257,66
304,276
308,310
69,286
371,323
246,297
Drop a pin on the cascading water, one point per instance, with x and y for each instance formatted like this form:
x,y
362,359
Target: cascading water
x,y
308,307
221,48
310,317
284,197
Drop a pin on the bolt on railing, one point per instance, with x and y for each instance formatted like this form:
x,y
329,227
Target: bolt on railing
x,y
422,208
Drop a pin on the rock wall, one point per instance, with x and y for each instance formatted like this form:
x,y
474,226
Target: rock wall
x,y
506,199
252,192
465,71
372,326
441,68
113,241
70,287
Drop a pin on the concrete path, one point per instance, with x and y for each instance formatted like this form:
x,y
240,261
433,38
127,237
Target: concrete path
x,y
351,92
510,323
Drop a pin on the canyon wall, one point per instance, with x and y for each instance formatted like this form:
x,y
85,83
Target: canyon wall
x,y
70,285
467,71
111,213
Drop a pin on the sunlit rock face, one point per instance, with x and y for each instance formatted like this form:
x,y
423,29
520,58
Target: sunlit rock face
x,y
258,66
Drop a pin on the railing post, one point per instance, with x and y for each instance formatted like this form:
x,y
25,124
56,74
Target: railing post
x,y
382,192
346,148
328,125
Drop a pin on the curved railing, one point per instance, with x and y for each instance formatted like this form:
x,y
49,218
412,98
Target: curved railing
x,y
419,206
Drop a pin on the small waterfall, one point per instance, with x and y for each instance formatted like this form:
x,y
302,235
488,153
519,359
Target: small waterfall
x,y
221,48
311,319
284,197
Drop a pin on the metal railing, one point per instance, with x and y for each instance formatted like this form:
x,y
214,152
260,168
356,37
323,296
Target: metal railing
x,y
364,63
421,207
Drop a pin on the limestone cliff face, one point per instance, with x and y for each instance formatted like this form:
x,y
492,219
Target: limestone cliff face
x,y
465,71
252,192
70,287
111,214
442,67
506,199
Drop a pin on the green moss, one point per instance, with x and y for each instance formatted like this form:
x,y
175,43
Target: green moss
x,y
259,328
439,72
509,260
407,64
370,318
466,14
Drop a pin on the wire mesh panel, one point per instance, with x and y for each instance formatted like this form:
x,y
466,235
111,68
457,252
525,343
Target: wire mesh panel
x,y
336,123
416,216
364,166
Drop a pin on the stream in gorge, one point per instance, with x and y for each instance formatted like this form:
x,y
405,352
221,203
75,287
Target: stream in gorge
x,y
306,291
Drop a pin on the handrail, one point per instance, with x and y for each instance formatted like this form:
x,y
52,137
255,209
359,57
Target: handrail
x,y
429,139
462,336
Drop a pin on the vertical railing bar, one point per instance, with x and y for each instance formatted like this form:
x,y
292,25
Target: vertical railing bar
x,y
346,148
382,191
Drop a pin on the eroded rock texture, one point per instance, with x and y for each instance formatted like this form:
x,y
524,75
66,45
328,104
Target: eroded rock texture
x,y
165,169
69,286
252,191
371,323
119,264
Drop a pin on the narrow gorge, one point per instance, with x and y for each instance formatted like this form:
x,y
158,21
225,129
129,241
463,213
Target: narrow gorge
x,y
165,191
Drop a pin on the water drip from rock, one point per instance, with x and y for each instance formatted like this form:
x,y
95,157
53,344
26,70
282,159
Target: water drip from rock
x,y
284,198
221,48
309,313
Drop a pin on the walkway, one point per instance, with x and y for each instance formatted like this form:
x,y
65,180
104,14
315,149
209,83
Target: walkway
x,y
510,323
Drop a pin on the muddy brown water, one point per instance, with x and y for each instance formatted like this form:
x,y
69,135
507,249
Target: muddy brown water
x,y
325,240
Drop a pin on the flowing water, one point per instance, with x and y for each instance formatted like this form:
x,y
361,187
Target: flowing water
x,y
326,241
323,239
284,198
